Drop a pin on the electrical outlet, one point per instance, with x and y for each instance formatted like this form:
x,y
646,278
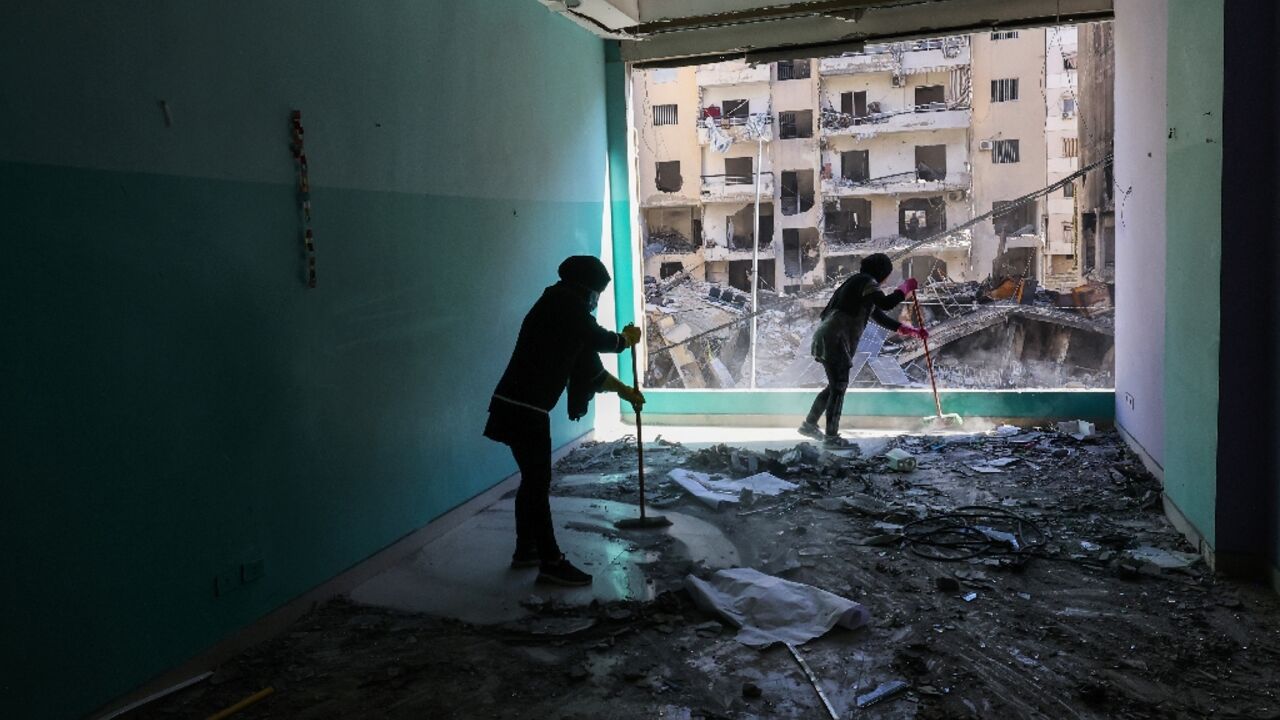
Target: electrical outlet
x,y
1128,400
252,570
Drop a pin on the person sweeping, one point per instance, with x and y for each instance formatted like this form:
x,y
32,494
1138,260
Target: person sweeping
x,y
558,347
857,300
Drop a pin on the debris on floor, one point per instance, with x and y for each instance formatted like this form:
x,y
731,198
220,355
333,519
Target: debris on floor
x,y
768,609
1052,588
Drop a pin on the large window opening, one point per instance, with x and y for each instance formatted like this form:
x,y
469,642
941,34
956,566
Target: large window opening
x,y
967,177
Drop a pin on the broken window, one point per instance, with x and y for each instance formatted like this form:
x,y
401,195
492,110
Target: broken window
x,y
1068,61
1005,35
1004,90
931,162
921,217
795,124
668,179
670,268
736,109
674,229
847,221
855,166
738,226
1010,219
1070,147
1004,151
738,171
924,268
799,251
793,69
665,115
854,103
740,275
930,97
797,191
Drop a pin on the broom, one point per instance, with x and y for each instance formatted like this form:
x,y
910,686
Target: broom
x,y
644,521
940,420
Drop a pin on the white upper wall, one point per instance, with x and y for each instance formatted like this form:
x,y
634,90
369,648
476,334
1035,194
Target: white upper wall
x,y
1140,132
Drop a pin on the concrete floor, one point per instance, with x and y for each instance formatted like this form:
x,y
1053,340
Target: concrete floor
x,y
465,574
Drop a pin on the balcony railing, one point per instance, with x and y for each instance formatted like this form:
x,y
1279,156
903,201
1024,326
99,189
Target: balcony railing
x,y
732,72
735,127
736,186
911,181
926,116
901,58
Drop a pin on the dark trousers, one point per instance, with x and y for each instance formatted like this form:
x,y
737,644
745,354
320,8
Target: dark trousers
x,y
533,499
831,400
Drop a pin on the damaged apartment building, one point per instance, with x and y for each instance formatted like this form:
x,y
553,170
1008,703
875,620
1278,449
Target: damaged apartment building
x,y
893,148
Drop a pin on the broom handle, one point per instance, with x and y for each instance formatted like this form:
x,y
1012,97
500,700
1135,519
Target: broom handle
x,y
635,382
927,360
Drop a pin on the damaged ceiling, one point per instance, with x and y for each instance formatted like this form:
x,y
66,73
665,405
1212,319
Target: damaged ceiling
x,y
674,32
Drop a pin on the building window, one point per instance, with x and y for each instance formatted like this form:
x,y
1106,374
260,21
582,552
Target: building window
x,y
855,166
854,103
930,97
1005,35
665,115
1004,90
921,217
1068,61
668,179
1068,106
735,109
1004,151
738,171
1069,190
793,69
668,269
931,162
797,191
795,124
1070,147
1013,219
1068,230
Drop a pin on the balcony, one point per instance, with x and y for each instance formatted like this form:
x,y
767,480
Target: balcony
x,y
916,57
736,188
932,116
896,184
732,72
736,128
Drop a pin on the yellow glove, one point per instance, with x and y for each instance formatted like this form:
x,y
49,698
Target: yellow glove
x,y
631,335
624,391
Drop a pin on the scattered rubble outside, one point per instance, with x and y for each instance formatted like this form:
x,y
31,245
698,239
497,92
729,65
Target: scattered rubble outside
x,y
1024,572
1003,335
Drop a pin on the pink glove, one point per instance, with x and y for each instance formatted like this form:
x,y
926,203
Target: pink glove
x,y
914,332
908,286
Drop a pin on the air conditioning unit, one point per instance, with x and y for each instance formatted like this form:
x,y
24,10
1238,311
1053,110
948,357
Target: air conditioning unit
x,y
985,145
897,80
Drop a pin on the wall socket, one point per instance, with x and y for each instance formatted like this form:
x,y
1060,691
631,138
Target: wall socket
x,y
1128,400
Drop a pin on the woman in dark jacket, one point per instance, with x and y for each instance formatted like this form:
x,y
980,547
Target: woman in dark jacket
x,y
558,346
857,300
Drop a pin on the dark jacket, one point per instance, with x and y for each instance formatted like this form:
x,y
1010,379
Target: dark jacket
x,y
557,347
845,317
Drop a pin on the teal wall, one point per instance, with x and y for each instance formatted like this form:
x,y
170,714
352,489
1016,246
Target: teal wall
x,y
175,402
1193,258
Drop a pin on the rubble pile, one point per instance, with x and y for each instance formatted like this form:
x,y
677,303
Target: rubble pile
x,y
1023,572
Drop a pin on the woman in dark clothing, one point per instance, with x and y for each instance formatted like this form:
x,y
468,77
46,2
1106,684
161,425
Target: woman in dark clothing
x,y
558,346
843,319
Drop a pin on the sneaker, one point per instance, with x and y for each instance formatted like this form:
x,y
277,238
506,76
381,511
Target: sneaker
x,y
525,558
562,572
812,430
835,441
